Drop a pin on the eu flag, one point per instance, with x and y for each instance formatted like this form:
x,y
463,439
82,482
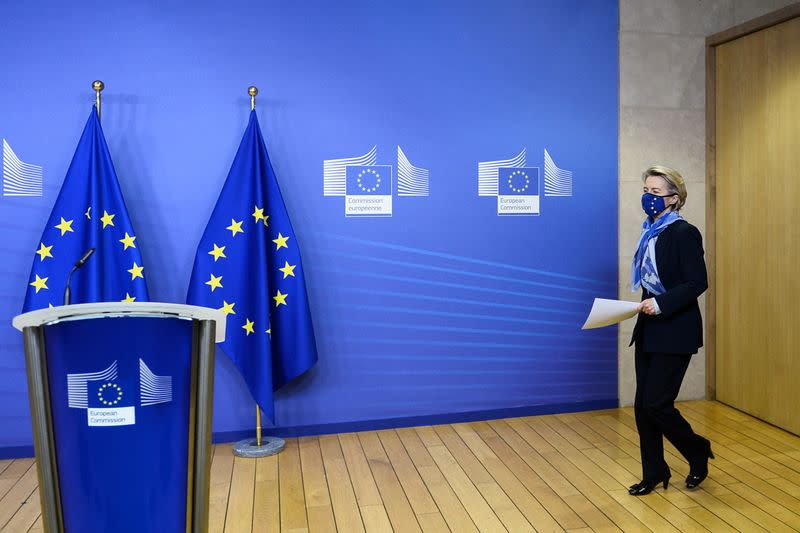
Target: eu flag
x,y
248,266
89,213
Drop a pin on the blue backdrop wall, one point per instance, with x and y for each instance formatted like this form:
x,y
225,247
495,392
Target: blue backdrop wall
x,y
444,307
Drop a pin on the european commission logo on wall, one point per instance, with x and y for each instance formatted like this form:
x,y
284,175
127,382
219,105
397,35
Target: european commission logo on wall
x,y
110,400
368,188
517,186
20,178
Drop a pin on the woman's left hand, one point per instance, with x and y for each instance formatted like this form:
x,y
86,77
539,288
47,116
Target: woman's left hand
x,y
648,307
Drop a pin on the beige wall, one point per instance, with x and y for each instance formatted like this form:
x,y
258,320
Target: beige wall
x,y
662,121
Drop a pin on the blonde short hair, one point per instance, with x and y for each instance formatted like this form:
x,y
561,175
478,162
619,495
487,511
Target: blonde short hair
x,y
675,183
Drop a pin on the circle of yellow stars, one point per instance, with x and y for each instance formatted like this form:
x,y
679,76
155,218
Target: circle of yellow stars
x,y
45,251
522,188
218,252
112,387
365,188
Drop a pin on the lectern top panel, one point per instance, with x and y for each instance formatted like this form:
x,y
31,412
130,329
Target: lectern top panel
x,y
118,309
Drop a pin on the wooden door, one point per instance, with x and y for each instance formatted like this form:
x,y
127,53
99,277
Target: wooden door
x,y
756,223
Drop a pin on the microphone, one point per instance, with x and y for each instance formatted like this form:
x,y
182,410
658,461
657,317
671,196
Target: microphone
x,y
79,263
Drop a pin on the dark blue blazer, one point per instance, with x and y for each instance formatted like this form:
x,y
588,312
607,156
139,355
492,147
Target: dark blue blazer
x,y
682,269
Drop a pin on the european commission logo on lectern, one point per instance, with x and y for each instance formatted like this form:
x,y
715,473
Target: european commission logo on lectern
x,y
109,401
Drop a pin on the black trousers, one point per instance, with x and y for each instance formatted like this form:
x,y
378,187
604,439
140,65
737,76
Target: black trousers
x,y
658,381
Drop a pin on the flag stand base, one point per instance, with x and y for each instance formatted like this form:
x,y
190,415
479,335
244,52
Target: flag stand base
x,y
250,448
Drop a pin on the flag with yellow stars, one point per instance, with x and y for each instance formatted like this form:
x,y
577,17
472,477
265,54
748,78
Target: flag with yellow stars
x,y
89,213
248,265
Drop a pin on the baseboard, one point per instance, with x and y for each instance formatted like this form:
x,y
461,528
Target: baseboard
x,y
16,452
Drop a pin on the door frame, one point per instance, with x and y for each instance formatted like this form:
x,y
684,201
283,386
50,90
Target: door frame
x,y
757,24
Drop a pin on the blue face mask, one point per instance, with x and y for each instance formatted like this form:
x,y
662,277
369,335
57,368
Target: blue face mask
x,y
654,204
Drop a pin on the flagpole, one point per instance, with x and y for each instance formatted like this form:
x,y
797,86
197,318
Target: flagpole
x,y
98,87
253,92
271,445
258,425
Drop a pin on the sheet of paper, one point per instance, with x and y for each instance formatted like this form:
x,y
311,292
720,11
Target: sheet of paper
x,y
606,312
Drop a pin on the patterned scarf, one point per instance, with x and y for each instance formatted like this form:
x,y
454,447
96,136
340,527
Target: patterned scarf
x,y
643,270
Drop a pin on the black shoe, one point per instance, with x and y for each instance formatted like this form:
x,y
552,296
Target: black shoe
x,y
646,487
697,474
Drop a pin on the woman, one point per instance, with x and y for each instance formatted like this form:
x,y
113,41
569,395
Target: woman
x,y
668,265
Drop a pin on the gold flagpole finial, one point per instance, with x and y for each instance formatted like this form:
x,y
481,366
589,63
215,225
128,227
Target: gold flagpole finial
x,y
98,87
253,92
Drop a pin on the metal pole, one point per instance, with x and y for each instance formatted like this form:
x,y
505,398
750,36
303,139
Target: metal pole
x,y
41,419
98,87
258,425
253,92
204,405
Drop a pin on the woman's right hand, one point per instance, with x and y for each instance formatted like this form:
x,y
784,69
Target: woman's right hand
x,y
648,307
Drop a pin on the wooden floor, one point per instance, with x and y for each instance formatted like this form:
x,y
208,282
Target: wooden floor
x,y
546,473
